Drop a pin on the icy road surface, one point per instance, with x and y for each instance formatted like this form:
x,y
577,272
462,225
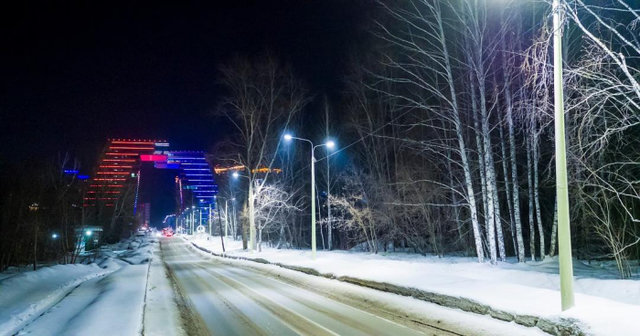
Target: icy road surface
x,y
223,299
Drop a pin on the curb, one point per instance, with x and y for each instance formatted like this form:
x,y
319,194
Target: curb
x,y
557,327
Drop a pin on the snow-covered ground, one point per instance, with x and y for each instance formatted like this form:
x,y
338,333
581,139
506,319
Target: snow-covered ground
x,y
604,305
103,298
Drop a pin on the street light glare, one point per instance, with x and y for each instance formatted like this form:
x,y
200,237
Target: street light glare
x,y
330,144
235,175
288,137
88,233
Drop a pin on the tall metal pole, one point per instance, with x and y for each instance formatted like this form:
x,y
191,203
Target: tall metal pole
x,y
328,206
235,222
220,221
209,215
252,226
313,203
226,219
564,229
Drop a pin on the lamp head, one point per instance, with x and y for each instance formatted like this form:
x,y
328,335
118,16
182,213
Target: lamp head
x,y
330,144
235,175
288,137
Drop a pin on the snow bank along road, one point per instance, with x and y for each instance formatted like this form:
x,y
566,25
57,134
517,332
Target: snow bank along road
x,y
222,297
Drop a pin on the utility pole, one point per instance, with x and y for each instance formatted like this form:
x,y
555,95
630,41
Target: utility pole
x,y
209,215
326,114
564,229
226,219
252,222
220,221
313,203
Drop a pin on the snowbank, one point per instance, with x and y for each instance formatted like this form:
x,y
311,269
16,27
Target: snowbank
x,y
76,299
26,295
604,306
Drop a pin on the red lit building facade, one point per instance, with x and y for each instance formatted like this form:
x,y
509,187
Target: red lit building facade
x,y
119,169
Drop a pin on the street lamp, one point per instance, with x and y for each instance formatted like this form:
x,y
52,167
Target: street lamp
x,y
328,145
562,192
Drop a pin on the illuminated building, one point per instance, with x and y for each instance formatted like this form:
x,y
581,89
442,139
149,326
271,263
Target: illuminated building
x,y
119,169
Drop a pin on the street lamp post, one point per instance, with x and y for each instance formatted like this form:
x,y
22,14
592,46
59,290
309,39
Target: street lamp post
x,y
562,192
193,218
329,145
234,223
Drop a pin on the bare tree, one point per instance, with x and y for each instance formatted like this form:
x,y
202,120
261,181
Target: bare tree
x,y
263,98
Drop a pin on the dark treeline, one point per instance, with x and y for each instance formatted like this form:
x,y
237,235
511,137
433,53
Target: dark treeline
x,y
43,214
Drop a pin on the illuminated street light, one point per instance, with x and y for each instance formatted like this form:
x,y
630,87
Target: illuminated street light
x,y
88,233
329,144
54,236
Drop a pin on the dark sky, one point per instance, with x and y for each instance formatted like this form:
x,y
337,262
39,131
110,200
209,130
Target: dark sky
x,y
76,72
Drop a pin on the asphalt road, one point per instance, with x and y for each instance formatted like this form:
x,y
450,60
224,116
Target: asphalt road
x,y
221,299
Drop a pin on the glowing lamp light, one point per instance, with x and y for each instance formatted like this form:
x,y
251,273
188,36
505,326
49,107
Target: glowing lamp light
x,y
88,233
288,137
235,175
82,177
54,236
330,144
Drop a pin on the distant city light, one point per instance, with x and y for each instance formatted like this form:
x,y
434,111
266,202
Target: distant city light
x,y
70,171
82,177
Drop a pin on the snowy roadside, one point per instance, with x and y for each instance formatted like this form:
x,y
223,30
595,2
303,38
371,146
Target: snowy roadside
x,y
25,296
161,313
527,294
76,299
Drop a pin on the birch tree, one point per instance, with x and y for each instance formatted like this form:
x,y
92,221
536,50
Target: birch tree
x,y
263,98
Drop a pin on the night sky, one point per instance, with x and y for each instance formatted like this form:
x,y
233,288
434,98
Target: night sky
x,y
77,72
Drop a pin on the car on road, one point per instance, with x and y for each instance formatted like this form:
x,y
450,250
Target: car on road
x,y
167,232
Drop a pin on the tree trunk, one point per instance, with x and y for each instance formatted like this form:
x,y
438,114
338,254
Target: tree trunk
x,y
461,144
554,230
514,179
532,230
507,188
536,195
